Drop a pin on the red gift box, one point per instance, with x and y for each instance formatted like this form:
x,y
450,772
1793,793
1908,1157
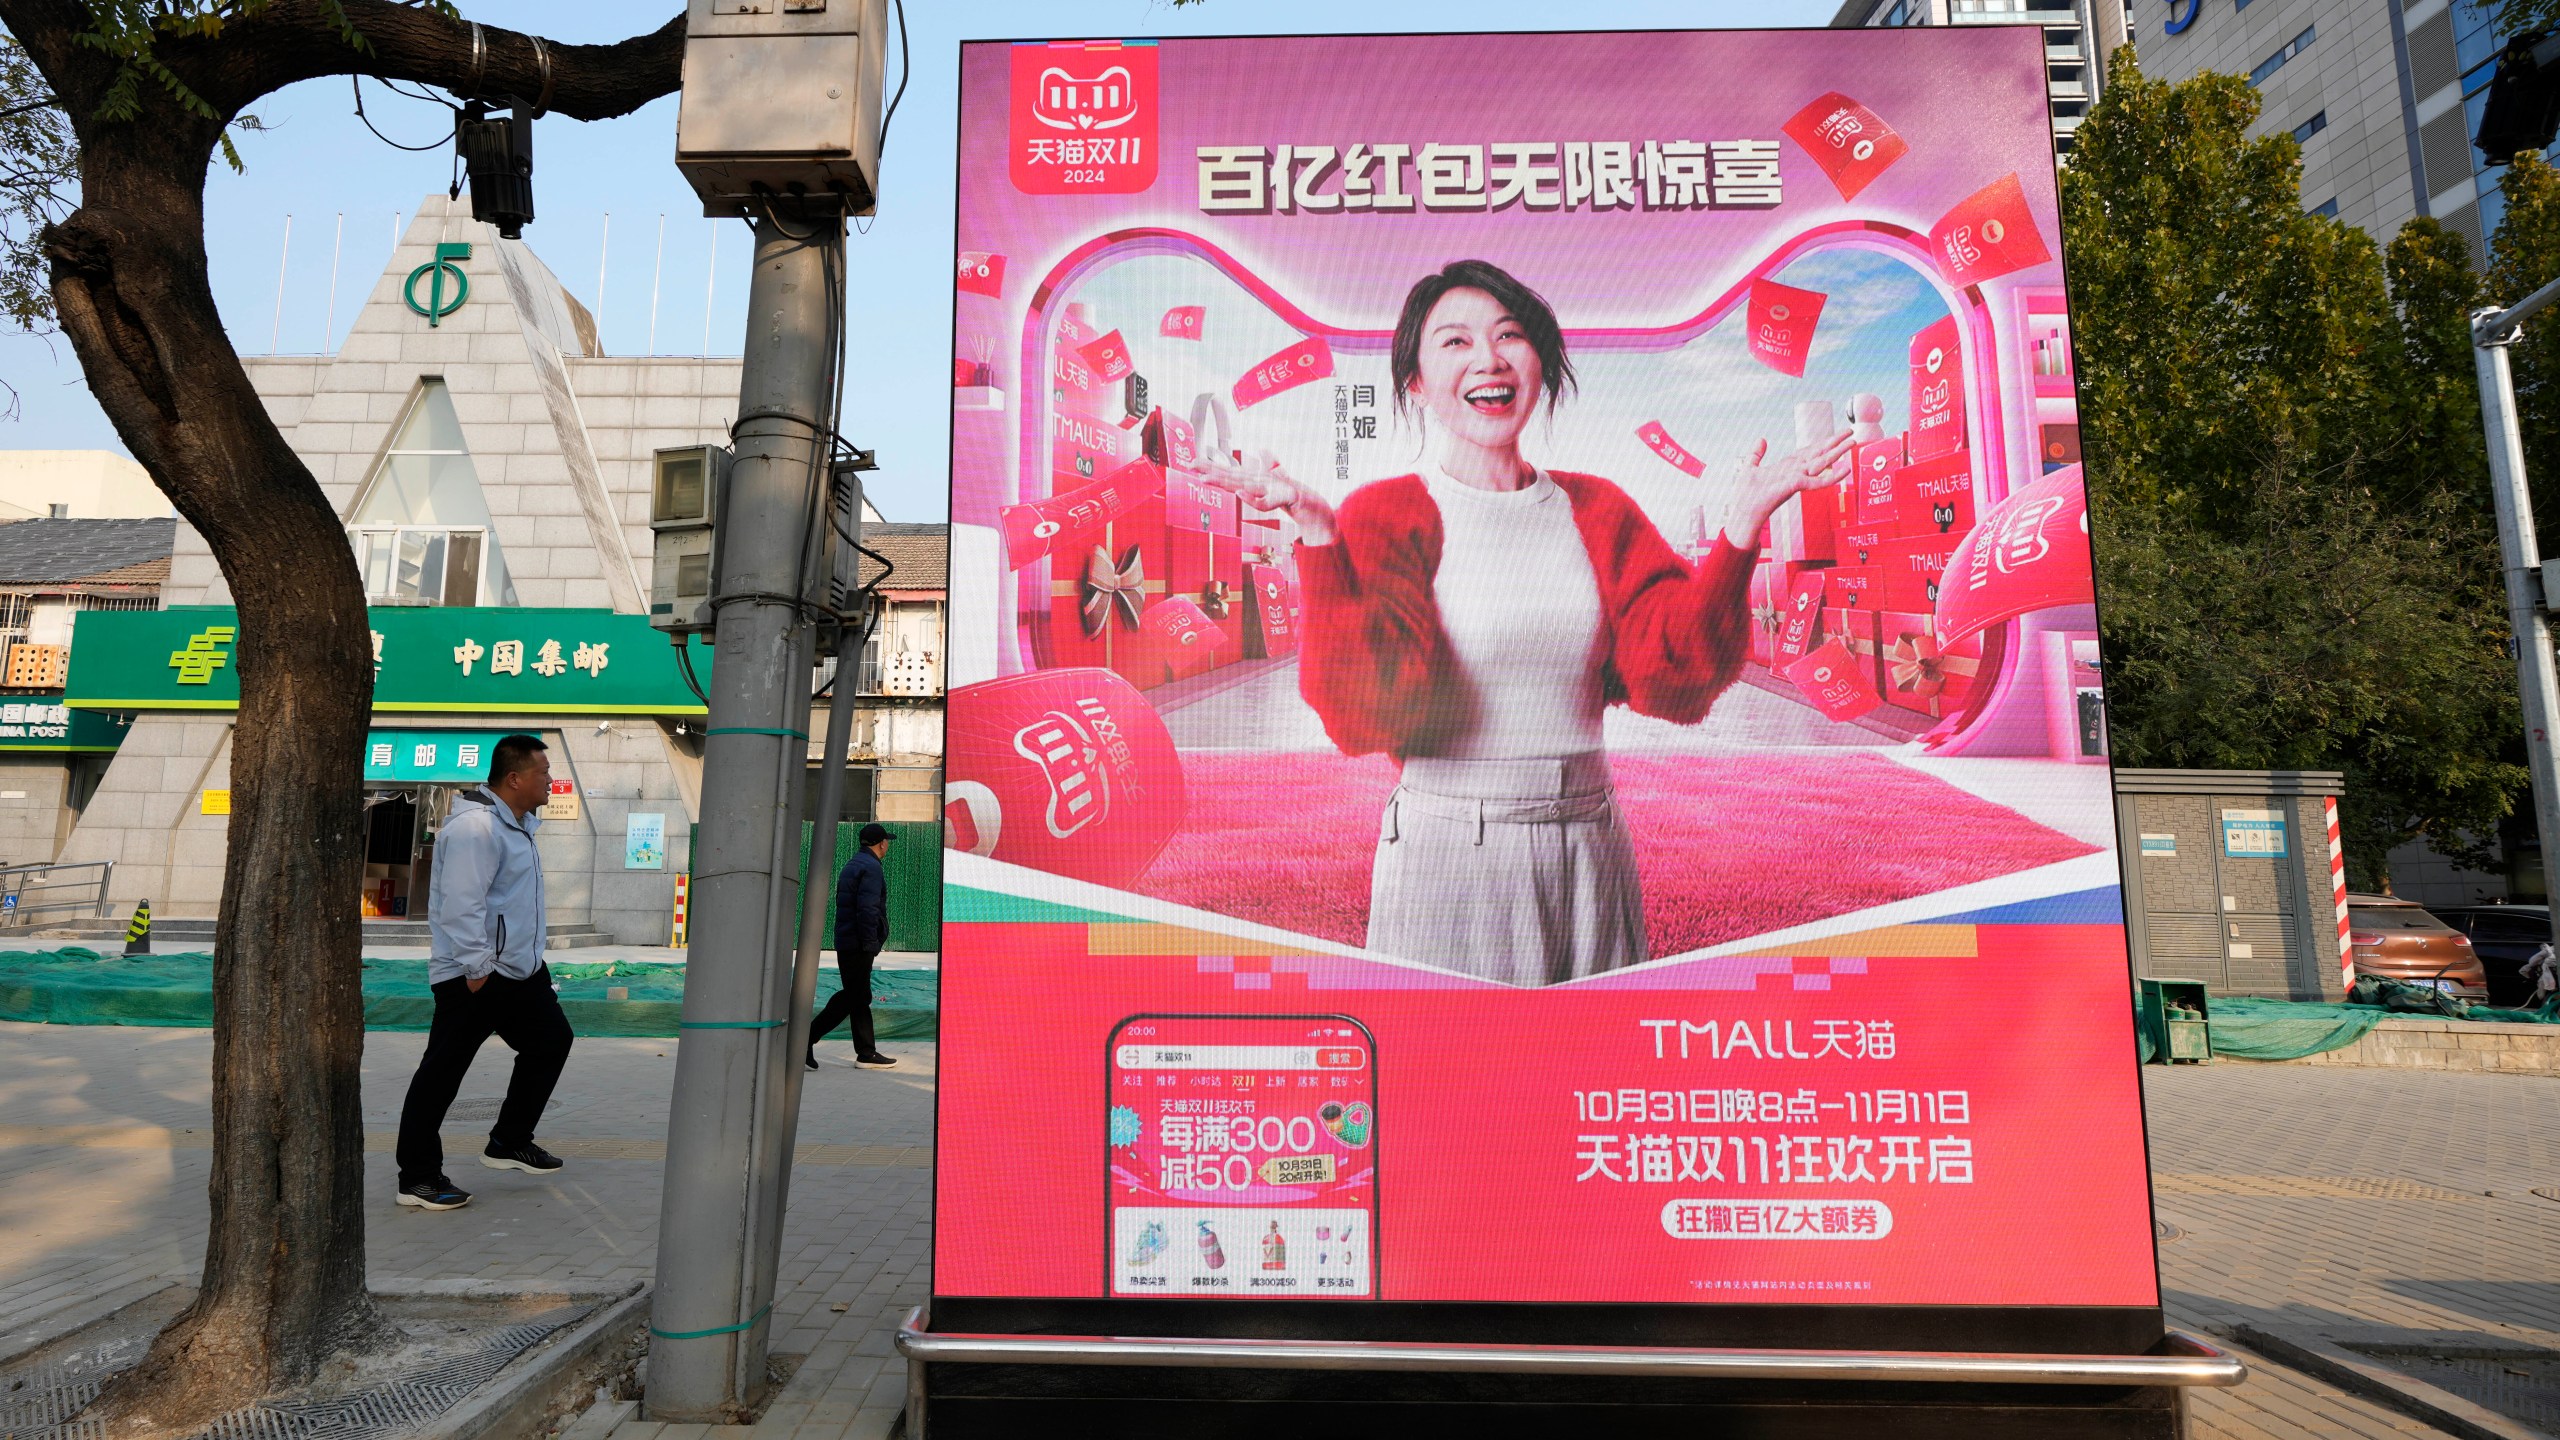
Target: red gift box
x,y
1097,601
1179,639
1271,613
1073,382
1797,627
1837,682
1191,503
1860,545
1855,632
1935,497
1068,522
1873,487
1083,448
1208,568
1922,676
1911,570
1801,530
1766,613
1937,392
1855,587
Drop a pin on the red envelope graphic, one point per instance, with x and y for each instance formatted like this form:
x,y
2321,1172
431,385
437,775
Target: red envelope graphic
x,y
1850,142
1183,322
1068,771
1659,441
1988,235
1804,612
1180,635
1836,681
982,273
1781,325
1109,356
1309,359
1062,522
2030,553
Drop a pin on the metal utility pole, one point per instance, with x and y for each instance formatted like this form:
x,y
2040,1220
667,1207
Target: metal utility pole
x,y
728,1130
779,125
2492,331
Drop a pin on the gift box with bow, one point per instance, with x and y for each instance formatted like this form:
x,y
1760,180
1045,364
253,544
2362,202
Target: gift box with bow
x,y
1096,608
1855,630
1921,675
1765,611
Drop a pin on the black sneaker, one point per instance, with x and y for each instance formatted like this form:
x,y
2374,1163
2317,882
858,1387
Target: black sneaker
x,y
434,1195
530,1158
875,1062
812,1059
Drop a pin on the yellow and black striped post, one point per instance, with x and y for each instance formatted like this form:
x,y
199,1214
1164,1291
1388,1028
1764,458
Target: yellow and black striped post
x,y
137,936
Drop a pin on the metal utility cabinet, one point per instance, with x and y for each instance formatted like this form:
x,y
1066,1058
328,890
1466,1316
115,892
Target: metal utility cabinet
x,y
2227,880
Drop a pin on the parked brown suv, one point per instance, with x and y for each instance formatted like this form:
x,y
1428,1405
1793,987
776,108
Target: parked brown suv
x,y
2396,940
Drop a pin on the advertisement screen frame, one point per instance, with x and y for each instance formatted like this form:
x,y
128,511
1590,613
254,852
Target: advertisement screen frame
x,y
2054,1329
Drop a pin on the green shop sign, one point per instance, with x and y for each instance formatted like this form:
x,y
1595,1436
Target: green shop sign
x,y
438,305
427,659
445,756
47,722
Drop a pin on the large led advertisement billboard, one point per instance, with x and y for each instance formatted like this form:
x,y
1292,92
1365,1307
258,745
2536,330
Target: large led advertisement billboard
x,y
1526,721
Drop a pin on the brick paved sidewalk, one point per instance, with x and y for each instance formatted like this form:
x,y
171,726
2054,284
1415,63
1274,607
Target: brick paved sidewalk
x,y
2299,1195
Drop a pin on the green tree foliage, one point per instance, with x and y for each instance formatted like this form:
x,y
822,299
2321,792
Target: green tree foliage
x,y
36,189
2297,564
2525,255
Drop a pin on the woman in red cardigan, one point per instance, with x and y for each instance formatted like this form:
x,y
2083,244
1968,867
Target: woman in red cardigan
x,y
1474,620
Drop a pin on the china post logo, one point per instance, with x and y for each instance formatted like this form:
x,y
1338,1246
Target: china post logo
x,y
1084,118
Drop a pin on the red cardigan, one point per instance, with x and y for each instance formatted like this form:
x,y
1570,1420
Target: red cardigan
x,y
1375,663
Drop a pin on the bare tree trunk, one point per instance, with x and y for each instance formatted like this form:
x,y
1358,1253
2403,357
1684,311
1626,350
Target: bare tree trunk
x,y
284,1264
284,1278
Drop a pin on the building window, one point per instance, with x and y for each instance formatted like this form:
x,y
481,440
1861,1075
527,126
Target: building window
x,y
2328,208
420,565
2239,4
2273,63
1895,16
2313,126
422,531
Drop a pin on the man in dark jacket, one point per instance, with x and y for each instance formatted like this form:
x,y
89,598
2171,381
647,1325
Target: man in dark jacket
x,y
862,927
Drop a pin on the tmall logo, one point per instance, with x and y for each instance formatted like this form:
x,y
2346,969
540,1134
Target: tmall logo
x,y
1068,101
1084,118
1071,759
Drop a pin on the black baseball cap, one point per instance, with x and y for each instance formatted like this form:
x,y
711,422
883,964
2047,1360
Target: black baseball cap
x,y
874,833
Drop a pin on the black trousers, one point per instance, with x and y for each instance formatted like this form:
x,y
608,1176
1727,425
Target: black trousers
x,y
853,971
526,1015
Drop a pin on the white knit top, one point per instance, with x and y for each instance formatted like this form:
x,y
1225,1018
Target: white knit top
x,y
1520,604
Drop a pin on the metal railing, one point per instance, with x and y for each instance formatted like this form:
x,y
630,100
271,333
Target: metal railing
x,y
28,892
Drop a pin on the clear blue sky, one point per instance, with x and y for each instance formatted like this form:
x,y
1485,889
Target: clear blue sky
x,y
318,163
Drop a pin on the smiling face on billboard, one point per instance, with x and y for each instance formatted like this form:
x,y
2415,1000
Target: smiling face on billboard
x,y
1535,617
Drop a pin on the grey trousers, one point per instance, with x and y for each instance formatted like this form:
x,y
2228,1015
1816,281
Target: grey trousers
x,y
1509,870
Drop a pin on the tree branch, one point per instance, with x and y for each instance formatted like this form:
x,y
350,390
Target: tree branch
x,y
291,40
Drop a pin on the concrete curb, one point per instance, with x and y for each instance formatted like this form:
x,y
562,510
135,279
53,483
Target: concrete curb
x,y
544,1386
2363,1375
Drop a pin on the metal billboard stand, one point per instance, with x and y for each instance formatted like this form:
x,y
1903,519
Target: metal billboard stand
x,y
1787,1390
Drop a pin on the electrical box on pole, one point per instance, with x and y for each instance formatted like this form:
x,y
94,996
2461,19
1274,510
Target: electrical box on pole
x,y
782,98
685,489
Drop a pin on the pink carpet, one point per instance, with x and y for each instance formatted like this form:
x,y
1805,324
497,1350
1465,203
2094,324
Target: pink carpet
x,y
1727,847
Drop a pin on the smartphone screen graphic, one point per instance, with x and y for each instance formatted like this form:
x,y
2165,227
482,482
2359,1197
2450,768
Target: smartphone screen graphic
x,y
1242,1157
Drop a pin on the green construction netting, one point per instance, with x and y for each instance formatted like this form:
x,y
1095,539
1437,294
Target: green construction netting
x,y
2246,1029
75,986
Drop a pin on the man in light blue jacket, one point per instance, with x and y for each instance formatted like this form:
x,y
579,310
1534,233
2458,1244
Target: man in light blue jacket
x,y
484,915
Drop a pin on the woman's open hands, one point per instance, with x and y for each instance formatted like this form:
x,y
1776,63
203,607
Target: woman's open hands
x,y
1762,484
1263,485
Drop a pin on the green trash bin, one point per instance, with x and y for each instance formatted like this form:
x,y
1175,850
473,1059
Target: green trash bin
x,y
2172,1014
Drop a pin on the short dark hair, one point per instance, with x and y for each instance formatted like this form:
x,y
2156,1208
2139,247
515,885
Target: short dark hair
x,y
513,753
1537,318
